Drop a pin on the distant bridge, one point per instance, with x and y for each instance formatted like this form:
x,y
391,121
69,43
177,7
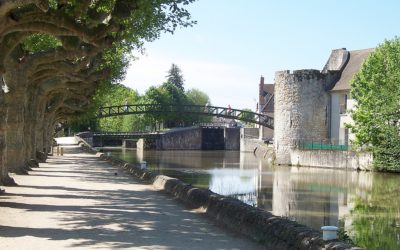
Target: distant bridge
x,y
229,113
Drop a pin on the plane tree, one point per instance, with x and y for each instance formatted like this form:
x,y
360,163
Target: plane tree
x,y
53,56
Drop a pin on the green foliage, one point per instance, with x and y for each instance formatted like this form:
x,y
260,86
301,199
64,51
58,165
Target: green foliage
x,y
175,76
344,236
376,89
40,42
114,96
198,97
110,95
116,60
164,95
248,116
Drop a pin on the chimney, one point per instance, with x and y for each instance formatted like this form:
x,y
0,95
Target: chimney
x,y
261,89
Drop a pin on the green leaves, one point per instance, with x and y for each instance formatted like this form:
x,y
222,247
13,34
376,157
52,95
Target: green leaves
x,y
175,76
40,42
376,89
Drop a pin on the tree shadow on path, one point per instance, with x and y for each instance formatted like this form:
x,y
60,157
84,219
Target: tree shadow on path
x,y
97,209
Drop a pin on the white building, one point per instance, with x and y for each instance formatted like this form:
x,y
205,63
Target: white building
x,y
341,101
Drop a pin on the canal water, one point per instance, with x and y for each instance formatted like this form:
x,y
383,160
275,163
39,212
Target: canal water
x,y
366,205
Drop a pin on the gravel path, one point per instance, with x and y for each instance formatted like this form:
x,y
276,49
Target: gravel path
x,y
77,201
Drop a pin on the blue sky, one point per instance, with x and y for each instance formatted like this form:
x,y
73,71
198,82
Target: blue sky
x,y
237,41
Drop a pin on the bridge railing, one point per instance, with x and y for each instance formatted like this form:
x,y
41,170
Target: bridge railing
x,y
100,133
230,113
322,145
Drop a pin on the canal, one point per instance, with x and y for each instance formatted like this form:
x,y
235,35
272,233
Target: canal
x,y
365,204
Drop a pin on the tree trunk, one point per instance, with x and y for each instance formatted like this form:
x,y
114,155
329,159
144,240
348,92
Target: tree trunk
x,y
5,179
15,132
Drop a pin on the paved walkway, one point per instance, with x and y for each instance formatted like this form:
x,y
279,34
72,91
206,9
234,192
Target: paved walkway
x,y
77,201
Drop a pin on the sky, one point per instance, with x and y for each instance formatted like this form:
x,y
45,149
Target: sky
x,y
236,41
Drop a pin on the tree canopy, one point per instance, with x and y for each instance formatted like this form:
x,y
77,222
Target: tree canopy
x,y
376,90
55,54
175,76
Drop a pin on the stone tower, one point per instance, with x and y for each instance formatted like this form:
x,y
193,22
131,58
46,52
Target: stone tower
x,y
302,106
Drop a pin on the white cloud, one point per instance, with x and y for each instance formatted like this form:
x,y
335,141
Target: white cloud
x,y
224,83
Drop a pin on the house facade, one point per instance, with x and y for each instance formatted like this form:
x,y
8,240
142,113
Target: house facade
x,y
341,102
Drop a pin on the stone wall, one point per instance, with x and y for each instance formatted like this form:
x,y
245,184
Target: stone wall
x,y
332,159
266,133
265,152
232,138
302,106
249,139
200,139
129,143
250,132
186,138
143,144
249,144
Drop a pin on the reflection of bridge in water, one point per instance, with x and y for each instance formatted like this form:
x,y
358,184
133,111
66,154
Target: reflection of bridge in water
x,y
237,114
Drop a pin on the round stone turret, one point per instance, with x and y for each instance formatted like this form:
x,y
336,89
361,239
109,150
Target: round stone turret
x,y
301,110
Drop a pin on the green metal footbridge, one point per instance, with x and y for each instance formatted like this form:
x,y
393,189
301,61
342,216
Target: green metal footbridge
x,y
229,113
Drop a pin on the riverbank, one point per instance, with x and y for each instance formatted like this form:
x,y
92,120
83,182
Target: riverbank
x,y
79,201
274,231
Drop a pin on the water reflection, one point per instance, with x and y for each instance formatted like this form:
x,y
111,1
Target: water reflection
x,y
366,204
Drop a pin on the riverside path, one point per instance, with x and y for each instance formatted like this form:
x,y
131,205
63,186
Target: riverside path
x,y
77,201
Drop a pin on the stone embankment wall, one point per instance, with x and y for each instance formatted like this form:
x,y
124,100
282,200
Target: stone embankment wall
x,y
332,159
129,143
249,139
197,139
273,232
265,152
144,143
232,138
187,138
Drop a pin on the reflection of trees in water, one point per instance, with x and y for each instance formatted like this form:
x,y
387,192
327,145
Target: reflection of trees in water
x,y
311,196
376,216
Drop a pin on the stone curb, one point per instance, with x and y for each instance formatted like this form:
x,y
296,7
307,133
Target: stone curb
x,y
272,231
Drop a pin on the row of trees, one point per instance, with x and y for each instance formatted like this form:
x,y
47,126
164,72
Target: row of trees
x,y
172,91
55,54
